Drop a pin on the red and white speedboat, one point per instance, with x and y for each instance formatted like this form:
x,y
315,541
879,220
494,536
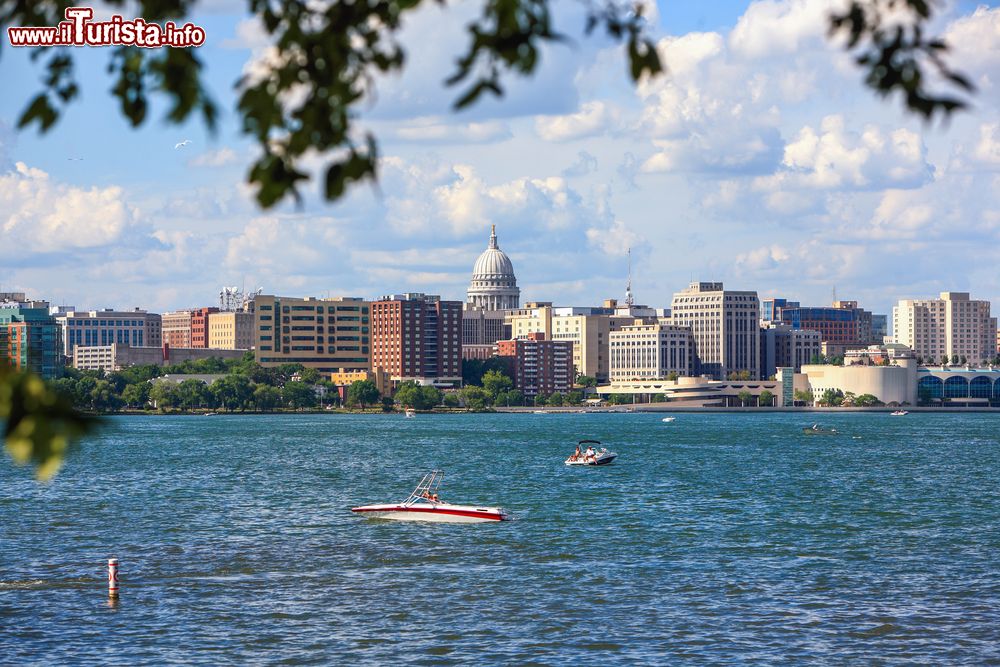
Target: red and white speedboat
x,y
424,505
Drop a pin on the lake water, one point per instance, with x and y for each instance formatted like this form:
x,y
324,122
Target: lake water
x,y
715,539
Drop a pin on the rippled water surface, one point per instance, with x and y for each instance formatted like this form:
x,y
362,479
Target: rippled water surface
x,y
713,539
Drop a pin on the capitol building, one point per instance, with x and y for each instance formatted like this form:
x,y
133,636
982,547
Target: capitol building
x,y
494,285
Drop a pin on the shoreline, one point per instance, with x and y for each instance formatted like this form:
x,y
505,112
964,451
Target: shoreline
x,y
639,409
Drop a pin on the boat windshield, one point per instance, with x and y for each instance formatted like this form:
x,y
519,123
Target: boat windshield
x,y
427,489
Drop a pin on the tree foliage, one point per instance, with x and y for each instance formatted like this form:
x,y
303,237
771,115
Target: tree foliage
x,y
362,393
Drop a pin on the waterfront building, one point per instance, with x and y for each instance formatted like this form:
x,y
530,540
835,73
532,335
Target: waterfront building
x,y
326,334
30,338
841,325
703,392
781,346
538,366
117,356
176,328
895,383
494,285
952,326
724,327
649,351
344,379
959,387
136,328
418,337
231,330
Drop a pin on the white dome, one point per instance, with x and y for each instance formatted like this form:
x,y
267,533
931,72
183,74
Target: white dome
x,y
494,285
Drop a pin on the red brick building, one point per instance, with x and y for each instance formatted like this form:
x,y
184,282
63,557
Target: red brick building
x,y
418,337
199,326
539,366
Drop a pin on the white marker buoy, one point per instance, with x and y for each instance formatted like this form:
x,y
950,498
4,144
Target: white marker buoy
x,y
113,577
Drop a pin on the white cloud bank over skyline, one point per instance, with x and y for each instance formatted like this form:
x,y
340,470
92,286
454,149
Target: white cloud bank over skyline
x,y
759,160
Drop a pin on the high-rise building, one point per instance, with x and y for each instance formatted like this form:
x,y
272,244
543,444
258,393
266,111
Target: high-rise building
x,y
30,339
649,351
724,326
951,326
842,325
538,366
231,330
770,308
199,326
781,346
880,329
494,285
418,337
176,327
136,328
330,335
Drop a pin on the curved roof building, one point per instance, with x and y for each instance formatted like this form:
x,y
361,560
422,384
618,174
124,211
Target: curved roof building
x,y
494,285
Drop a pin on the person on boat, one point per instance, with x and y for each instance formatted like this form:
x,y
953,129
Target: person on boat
x,y
576,455
589,455
434,498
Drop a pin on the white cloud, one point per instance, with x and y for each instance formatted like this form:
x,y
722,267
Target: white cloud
x,y
438,130
594,117
778,27
40,216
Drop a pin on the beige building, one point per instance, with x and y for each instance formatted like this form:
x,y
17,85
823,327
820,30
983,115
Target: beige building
x,y
177,328
233,330
644,351
896,383
326,334
724,326
378,376
952,326
587,328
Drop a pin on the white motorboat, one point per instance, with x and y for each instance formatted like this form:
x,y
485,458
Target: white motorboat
x,y
668,419
424,505
591,456
410,414
899,413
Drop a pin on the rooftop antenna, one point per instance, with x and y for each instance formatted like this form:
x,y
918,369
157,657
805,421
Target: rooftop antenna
x,y
628,286
834,295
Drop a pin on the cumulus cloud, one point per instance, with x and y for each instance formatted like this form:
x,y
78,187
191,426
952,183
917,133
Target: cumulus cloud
x,y
835,157
594,117
39,215
585,164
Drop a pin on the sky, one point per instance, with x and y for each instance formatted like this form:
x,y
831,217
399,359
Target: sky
x,y
759,160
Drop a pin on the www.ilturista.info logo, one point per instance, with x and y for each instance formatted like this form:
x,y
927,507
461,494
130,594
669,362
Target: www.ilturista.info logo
x,y
79,30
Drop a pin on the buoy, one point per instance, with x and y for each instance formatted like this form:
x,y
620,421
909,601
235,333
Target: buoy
x,y
113,577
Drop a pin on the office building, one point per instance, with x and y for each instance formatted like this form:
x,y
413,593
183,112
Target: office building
x,y
953,326
231,330
136,328
644,351
30,338
330,335
538,366
418,337
176,328
117,356
782,346
724,327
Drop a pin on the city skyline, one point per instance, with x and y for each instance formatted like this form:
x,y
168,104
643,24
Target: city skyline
x,y
746,164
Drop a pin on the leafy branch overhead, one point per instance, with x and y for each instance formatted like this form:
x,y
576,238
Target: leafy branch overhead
x,y
307,91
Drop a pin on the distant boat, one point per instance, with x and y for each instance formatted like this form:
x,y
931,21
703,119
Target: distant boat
x,y
538,412
899,413
211,414
816,429
668,419
410,414
591,457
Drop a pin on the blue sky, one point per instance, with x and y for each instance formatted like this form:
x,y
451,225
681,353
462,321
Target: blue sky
x,y
759,160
